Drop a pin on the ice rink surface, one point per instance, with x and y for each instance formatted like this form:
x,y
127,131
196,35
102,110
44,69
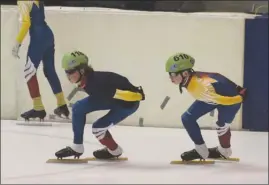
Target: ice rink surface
x,y
25,150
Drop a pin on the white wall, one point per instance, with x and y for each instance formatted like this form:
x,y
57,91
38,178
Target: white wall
x,y
135,44
9,68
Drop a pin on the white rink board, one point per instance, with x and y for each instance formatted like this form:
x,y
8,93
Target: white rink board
x,y
134,44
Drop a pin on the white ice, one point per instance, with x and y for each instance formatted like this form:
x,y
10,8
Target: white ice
x,y
25,150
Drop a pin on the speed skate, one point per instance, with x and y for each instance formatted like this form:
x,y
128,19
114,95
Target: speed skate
x,y
85,160
47,121
207,161
33,122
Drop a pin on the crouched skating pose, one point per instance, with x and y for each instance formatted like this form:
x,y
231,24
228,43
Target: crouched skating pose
x,y
107,91
211,91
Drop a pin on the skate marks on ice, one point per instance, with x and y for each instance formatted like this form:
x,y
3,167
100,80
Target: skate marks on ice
x,y
55,173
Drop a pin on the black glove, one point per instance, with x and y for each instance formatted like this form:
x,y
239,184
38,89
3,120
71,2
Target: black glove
x,y
241,91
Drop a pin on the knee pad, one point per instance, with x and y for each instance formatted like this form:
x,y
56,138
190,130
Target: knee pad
x,y
99,133
100,127
221,130
29,70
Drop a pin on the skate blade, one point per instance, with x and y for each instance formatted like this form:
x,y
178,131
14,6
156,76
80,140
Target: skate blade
x,y
193,162
67,161
114,159
57,118
228,159
34,123
84,160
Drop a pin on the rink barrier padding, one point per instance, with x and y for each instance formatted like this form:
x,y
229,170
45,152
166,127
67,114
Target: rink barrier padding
x,y
255,107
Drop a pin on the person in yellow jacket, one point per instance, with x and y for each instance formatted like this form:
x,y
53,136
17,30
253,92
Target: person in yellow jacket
x,y
41,48
210,91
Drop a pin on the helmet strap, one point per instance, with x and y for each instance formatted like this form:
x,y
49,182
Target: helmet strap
x,y
185,80
81,74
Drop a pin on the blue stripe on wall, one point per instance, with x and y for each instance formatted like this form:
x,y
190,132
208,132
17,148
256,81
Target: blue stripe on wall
x,y
255,107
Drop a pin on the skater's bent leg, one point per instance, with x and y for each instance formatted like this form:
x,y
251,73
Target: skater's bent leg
x,y
51,75
113,117
224,134
78,124
33,60
226,115
190,117
107,140
189,120
32,82
192,128
194,132
34,57
79,111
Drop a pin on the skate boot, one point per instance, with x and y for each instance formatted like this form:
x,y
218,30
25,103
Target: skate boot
x,y
105,154
190,155
214,153
200,152
41,114
67,152
219,152
62,110
224,149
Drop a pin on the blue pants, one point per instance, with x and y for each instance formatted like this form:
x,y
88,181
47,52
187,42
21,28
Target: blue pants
x,y
99,127
226,114
41,47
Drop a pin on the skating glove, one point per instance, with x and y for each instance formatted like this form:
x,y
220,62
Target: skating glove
x,y
15,50
242,91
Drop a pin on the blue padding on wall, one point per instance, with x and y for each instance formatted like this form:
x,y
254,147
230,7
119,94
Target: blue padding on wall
x,y
255,107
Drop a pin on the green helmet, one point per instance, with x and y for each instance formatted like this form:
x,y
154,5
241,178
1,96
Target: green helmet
x,y
179,62
74,60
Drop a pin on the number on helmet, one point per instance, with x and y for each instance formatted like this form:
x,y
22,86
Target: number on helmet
x,y
76,53
181,56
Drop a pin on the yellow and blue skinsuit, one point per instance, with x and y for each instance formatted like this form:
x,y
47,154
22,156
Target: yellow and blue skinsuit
x,y
41,47
211,91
